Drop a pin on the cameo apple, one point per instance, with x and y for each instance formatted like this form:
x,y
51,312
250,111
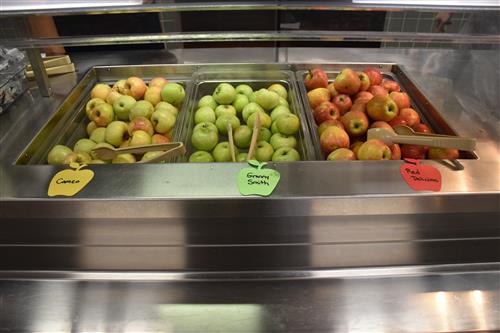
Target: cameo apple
x,y
341,154
173,93
58,154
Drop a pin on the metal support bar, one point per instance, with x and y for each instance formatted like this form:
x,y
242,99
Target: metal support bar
x,y
42,79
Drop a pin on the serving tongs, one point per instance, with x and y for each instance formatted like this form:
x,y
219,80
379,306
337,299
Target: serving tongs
x,y
171,149
407,135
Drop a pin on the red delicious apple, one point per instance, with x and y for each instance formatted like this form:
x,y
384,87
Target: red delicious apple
x,y
326,111
382,124
355,123
318,96
347,82
422,128
333,138
343,103
374,75
382,108
413,151
401,99
435,153
363,96
332,90
398,121
411,116
365,81
396,152
374,150
328,123
378,91
316,78
391,85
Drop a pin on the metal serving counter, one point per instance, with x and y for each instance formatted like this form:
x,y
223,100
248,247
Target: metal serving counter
x,y
337,247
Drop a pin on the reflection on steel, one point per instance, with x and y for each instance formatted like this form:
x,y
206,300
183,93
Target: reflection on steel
x,y
42,79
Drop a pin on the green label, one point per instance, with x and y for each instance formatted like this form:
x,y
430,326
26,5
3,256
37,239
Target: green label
x,y
257,181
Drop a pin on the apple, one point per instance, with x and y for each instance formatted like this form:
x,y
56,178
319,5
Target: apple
x,y
242,136
135,87
123,159
411,116
98,135
240,102
359,107
140,123
316,78
331,89
207,124
285,154
374,75
355,123
278,111
347,82
96,161
413,151
244,89
401,99
395,152
204,114
173,93
328,123
340,154
112,97
422,128
391,85
120,86
167,107
318,96
435,153
92,104
382,124
343,103
365,81
333,138
363,97
83,146
153,95
91,127
264,134
279,89
265,119
250,108
102,114
225,109
58,154
125,143
267,99
398,121
224,93
223,120
100,90
283,102
374,150
151,155
201,156
241,157
204,137
274,129
355,147
122,106
382,108
252,98
263,151
159,138
99,145
222,153
287,124
116,133
378,91
207,100
158,82
279,140
140,138
141,109
81,158
326,111
163,121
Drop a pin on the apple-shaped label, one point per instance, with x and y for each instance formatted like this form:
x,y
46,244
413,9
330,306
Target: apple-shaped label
x,y
257,181
69,182
420,177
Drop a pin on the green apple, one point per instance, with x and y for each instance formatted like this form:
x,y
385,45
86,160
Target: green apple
x,y
173,93
265,119
167,107
267,99
224,93
96,161
223,120
249,109
58,154
222,153
207,100
80,158
224,109
163,121
141,109
116,133
279,89
100,145
211,126
244,89
123,158
204,137
122,106
152,154
204,114
91,127
286,154
252,98
283,102
241,157
102,114
201,156
240,102
84,146
278,111
264,134
279,140
140,138
242,136
287,124
92,104
98,135
274,128
263,151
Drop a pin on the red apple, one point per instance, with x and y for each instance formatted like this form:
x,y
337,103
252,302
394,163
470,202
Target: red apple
x,y
158,82
396,152
333,138
411,116
159,138
328,123
341,154
316,78
398,121
378,91
435,153
382,108
401,99
382,124
391,85
359,106
355,147
347,82
355,123
363,96
374,150
100,90
422,128
374,75
318,96
332,90
326,111
365,81
413,151
135,87
140,123
343,102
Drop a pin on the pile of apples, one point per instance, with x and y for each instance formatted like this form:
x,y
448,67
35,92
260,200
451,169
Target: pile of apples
x,y
346,108
238,106
130,113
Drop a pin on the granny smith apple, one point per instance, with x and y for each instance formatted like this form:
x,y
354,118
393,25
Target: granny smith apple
x,y
240,102
241,157
252,98
279,140
274,128
279,89
173,93
264,134
141,109
210,126
207,100
224,109
283,102
98,135
84,146
267,99
287,124
242,136
58,154
265,119
204,114
204,137
249,109
122,106
244,89
222,153
263,151
223,120
201,156
286,154
224,93
278,111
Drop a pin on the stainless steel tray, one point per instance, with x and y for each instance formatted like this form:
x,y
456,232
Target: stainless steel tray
x,y
428,113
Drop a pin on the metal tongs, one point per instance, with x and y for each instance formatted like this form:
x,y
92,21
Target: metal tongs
x,y
171,149
407,135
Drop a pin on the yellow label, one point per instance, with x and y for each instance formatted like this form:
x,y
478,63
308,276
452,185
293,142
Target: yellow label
x,y
69,182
